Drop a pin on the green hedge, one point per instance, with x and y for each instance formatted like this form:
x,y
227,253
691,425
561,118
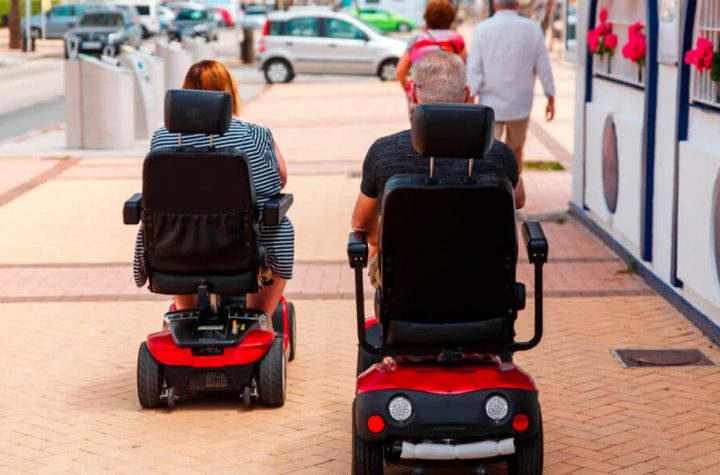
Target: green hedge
x,y
34,5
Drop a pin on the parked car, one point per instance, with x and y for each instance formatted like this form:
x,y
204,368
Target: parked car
x,y
222,16
229,9
149,20
317,41
165,17
384,20
194,22
255,16
59,19
104,32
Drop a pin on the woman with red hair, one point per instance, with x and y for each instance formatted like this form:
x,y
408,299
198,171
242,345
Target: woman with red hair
x,y
269,176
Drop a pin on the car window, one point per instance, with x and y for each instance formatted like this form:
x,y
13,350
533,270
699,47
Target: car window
x,y
304,26
102,19
275,28
143,9
81,9
191,15
343,30
61,10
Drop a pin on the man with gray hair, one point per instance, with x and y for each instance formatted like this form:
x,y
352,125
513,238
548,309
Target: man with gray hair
x,y
439,77
506,52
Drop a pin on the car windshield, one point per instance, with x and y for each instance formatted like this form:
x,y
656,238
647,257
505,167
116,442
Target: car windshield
x,y
191,15
102,19
143,9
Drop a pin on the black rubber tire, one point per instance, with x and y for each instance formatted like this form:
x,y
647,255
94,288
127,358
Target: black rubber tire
x,y
145,32
528,458
66,53
35,32
403,27
367,458
272,377
150,377
290,73
385,63
292,328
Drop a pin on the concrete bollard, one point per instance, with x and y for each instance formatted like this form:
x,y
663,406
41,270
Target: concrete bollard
x,y
176,62
198,48
99,106
149,88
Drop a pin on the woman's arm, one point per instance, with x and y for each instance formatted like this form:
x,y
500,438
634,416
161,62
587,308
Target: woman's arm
x,y
463,55
282,170
403,68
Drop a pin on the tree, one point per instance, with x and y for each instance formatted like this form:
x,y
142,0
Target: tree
x,y
14,25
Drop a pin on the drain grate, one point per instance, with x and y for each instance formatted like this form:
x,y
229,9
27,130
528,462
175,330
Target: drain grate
x,y
661,358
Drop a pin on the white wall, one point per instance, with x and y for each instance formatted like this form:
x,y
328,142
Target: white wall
x,y
626,105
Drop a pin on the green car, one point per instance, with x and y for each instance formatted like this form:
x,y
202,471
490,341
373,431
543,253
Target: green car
x,y
383,20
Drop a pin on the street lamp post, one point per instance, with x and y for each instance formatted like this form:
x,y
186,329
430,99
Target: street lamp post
x,y
28,40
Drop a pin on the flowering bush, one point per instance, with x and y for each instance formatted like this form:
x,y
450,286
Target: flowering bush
x,y
704,59
636,48
601,39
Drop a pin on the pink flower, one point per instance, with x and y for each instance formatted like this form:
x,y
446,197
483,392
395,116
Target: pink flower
x,y
611,41
593,39
690,57
702,56
603,15
604,29
635,29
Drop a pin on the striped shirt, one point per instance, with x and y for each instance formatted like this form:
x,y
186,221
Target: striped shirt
x,y
257,143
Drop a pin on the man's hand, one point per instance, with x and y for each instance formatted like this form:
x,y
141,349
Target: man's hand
x,y
550,109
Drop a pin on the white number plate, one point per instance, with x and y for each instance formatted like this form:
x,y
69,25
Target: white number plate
x,y
92,45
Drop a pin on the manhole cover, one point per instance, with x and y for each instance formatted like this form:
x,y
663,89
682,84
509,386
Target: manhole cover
x,y
660,358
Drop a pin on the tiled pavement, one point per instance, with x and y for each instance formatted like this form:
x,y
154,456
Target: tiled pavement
x,y
73,322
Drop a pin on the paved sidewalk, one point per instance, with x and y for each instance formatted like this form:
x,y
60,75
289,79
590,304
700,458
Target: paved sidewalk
x,y
73,322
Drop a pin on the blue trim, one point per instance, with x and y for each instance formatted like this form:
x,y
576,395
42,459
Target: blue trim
x,y
646,236
694,316
588,96
682,122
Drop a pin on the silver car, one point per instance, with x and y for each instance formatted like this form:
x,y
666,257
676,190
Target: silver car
x,y
318,41
59,19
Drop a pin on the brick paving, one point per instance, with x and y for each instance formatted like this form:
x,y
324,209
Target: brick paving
x,y
73,321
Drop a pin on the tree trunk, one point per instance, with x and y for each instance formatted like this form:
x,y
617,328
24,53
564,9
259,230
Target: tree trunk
x,y
14,25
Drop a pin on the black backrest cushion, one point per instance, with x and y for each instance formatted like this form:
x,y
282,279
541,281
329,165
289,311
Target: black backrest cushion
x,y
199,212
453,130
449,250
195,111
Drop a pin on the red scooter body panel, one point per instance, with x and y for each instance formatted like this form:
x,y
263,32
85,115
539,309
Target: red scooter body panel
x,y
286,324
451,378
252,348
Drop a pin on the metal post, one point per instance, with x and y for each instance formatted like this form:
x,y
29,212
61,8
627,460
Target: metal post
x,y
27,45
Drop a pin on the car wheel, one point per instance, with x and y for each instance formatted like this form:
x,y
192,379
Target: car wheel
x,y
403,27
388,69
35,33
145,32
277,71
66,52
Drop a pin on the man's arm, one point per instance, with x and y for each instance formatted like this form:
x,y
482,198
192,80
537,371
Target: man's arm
x,y
474,65
365,218
544,72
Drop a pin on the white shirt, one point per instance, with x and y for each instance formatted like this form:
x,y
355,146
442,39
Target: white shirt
x,y
506,52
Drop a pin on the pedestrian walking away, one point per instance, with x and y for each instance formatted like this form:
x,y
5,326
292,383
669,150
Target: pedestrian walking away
x,y
506,52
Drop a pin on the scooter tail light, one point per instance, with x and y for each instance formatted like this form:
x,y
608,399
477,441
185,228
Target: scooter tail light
x,y
520,422
376,424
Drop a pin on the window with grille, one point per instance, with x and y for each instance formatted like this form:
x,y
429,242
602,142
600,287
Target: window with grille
x,y
622,14
703,90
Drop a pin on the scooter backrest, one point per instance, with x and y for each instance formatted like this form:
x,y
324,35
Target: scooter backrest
x,y
452,130
199,207
195,111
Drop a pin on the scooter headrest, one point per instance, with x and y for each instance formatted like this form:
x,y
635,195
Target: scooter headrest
x,y
196,111
453,130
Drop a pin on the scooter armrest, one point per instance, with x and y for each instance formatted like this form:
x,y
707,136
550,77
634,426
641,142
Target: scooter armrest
x,y
535,241
132,209
357,249
274,210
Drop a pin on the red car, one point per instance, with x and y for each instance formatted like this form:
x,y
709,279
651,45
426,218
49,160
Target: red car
x,y
223,16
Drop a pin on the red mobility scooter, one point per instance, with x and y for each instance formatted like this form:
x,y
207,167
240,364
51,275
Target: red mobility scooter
x,y
200,221
445,389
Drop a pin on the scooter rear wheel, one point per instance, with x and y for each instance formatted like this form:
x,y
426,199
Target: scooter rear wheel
x,y
528,458
272,377
367,457
150,378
